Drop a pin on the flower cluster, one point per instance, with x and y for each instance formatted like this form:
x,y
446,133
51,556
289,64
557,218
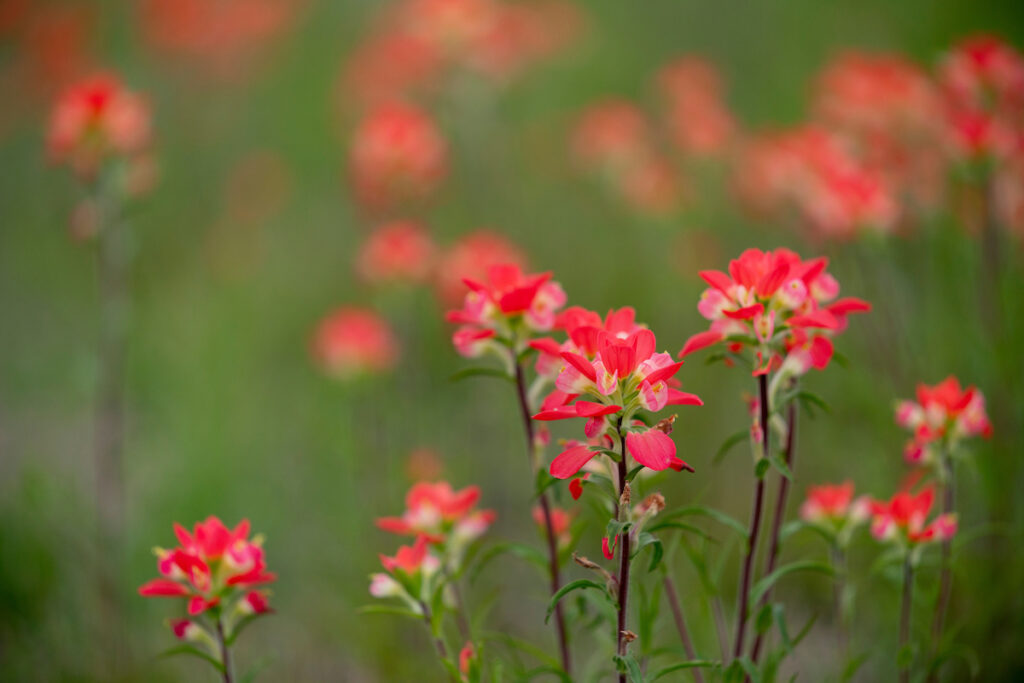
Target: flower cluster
x,y
625,376
833,508
354,341
416,42
217,570
398,156
903,520
503,307
813,173
780,305
95,121
614,140
397,252
699,121
941,417
444,523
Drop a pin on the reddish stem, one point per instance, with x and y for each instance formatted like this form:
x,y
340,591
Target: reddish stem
x,y
684,634
780,513
624,560
946,579
755,525
549,529
225,653
908,588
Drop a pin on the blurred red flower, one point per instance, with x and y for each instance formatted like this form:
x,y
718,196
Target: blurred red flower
x,y
354,341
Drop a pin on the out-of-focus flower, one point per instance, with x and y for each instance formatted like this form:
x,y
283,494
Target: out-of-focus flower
x,y
625,377
698,119
221,35
397,252
941,417
903,520
505,304
441,514
613,139
833,507
212,566
467,661
397,156
561,525
391,65
423,464
97,120
471,257
890,113
411,561
353,341
777,304
983,78
813,172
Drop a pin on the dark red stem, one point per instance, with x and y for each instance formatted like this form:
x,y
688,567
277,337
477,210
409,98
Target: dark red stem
x,y
624,559
549,529
755,525
908,588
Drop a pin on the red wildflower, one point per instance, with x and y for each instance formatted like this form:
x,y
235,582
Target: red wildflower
x,y
436,511
96,120
561,524
399,251
782,306
352,341
210,566
471,257
398,155
941,417
903,519
699,121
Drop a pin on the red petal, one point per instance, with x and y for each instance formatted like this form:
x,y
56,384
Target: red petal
x,y
609,550
559,413
699,341
395,525
717,279
681,398
162,588
849,305
643,343
653,449
570,461
581,364
591,409
820,318
663,373
547,345
745,313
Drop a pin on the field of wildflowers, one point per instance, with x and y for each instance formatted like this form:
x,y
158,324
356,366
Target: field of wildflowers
x,y
511,340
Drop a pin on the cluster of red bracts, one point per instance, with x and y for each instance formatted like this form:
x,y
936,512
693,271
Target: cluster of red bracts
x,y
781,306
213,568
940,418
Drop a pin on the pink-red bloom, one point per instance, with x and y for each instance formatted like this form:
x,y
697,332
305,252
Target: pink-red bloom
x,y
698,119
397,156
783,307
941,417
439,513
561,524
505,304
96,120
397,252
354,341
904,519
471,257
625,376
212,566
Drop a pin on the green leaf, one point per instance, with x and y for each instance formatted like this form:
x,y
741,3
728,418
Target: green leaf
x,y
905,657
645,539
765,584
480,372
780,465
633,472
578,584
850,670
741,669
761,468
683,526
810,401
520,550
705,511
522,646
194,652
242,624
615,528
796,525
258,667
779,614
730,443
389,609
692,664
805,630
750,669
763,622
628,664
543,482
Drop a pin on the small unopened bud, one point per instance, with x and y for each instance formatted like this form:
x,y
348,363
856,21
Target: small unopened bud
x,y
624,498
585,562
652,505
628,636
665,425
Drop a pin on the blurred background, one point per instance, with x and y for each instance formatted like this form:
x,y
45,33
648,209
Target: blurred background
x,y
568,136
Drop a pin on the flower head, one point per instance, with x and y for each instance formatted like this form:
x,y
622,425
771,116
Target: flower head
x,y
212,566
399,251
352,341
96,120
398,155
440,513
904,519
781,306
699,120
625,375
941,417
471,257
